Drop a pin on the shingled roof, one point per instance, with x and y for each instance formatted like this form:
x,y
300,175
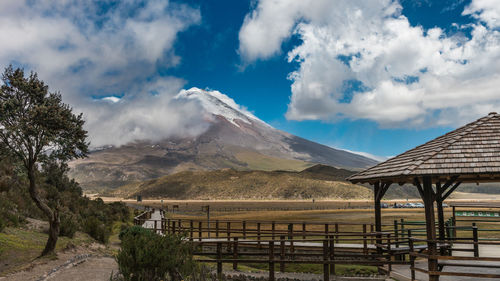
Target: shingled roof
x,y
471,152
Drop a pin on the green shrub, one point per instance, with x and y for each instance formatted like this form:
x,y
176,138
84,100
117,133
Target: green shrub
x,y
3,224
69,225
145,255
97,229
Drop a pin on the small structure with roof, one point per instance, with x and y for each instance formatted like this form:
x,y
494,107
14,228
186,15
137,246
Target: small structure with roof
x,y
470,154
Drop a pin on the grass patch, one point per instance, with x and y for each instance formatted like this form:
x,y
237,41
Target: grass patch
x,y
340,269
20,246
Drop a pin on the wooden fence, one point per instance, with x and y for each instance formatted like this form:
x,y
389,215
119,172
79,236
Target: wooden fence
x,y
445,258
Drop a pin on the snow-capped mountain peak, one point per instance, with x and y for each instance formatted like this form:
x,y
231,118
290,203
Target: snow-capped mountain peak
x,y
217,103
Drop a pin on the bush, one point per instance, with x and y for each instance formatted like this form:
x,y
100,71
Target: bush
x,y
3,224
69,225
97,229
145,255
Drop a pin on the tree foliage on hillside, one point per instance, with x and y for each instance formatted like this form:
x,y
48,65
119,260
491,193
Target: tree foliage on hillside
x,y
37,129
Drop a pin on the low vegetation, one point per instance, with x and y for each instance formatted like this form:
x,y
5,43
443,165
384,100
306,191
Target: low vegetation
x,y
145,255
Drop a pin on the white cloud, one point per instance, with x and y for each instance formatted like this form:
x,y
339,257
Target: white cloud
x,y
93,51
409,75
369,155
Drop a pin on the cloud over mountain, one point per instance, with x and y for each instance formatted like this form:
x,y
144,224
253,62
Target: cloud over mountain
x,y
104,57
364,60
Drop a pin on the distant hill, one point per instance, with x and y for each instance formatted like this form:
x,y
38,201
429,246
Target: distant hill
x,y
319,182
235,139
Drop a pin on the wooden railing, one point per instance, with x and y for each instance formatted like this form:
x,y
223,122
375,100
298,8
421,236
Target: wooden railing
x,y
443,260
287,250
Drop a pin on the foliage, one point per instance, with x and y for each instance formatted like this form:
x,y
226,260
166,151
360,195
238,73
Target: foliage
x,y
36,127
145,255
97,229
69,225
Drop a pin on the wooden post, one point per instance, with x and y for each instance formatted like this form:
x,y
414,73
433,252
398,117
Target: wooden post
x,y
304,230
475,239
258,235
412,258
326,230
337,232
168,226
235,253
282,253
365,246
156,226
378,216
396,232
430,226
219,261
244,229
191,229
179,226
371,231
271,260
454,224
199,230
173,227
217,229
273,229
332,254
440,212
389,265
228,230
326,256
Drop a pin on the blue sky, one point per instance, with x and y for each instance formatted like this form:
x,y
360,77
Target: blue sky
x,y
378,77
211,59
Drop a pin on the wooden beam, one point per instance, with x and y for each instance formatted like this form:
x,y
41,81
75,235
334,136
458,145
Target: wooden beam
x,y
429,198
416,182
439,205
378,215
450,191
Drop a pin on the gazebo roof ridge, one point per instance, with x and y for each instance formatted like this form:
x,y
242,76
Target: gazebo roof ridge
x,y
433,157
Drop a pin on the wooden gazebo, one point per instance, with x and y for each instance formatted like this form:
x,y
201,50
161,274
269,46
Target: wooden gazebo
x,y
468,154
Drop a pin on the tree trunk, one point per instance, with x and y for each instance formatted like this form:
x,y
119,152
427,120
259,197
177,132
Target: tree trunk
x,y
53,216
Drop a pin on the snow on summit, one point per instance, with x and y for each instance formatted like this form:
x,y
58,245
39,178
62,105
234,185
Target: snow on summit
x,y
217,103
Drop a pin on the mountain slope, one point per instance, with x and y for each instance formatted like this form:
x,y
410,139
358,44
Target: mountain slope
x,y
235,139
232,184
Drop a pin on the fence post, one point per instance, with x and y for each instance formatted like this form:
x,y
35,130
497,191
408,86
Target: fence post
x,y
168,226
371,231
217,229
271,260
389,265
475,238
173,227
326,230
412,258
332,254
199,230
179,226
191,229
304,230
337,232
235,253
244,229
219,261
282,253
326,268
258,235
365,246
156,226
396,233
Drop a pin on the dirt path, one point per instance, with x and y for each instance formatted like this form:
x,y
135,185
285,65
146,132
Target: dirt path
x,y
77,264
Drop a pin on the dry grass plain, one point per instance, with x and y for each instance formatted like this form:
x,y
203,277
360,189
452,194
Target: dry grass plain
x,y
350,214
